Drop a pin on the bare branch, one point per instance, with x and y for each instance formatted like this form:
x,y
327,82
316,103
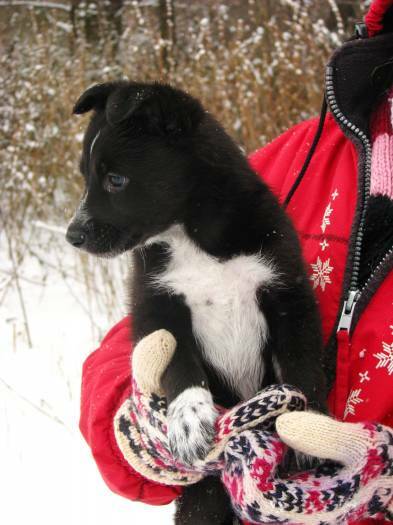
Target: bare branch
x,y
22,3
33,405
12,275
16,278
49,227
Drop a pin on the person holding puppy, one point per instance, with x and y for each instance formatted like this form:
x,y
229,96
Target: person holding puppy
x,y
339,194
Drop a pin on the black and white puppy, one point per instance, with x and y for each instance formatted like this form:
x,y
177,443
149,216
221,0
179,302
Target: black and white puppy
x,y
216,261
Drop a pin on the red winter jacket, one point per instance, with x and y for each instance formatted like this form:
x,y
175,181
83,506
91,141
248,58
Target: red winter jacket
x,y
326,210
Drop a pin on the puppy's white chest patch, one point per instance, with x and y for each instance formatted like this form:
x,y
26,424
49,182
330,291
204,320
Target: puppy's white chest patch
x,y
226,318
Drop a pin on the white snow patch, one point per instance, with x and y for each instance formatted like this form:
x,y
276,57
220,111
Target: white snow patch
x,y
47,472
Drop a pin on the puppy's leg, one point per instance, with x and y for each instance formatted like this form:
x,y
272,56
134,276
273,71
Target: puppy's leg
x,y
295,341
191,417
295,349
191,411
205,503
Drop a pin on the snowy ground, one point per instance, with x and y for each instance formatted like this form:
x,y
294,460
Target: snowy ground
x,y
47,473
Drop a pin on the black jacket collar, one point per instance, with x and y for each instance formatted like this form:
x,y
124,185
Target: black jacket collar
x,y
362,71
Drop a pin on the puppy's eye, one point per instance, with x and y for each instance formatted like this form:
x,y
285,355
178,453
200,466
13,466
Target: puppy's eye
x,y
114,182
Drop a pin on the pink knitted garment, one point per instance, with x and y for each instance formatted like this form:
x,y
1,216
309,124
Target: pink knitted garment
x,y
382,148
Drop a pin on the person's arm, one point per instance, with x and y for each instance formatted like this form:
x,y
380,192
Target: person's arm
x,y
106,383
246,450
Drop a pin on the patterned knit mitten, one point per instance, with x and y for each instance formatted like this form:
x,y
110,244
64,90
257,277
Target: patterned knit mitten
x,y
140,424
356,482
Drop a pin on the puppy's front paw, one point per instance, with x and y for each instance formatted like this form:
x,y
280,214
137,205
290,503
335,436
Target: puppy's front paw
x,y
191,418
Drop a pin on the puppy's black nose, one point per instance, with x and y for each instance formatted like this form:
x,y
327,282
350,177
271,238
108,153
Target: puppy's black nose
x,y
75,237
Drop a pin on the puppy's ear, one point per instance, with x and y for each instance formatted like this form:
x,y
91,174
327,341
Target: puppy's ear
x,y
124,101
158,109
94,98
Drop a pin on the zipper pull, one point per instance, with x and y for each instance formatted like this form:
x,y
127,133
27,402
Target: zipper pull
x,y
347,311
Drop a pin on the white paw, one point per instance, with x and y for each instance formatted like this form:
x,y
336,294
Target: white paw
x,y
191,418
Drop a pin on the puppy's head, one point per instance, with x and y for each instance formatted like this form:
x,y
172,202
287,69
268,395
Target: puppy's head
x,y
135,163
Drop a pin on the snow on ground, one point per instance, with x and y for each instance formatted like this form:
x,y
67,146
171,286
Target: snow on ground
x,y
47,472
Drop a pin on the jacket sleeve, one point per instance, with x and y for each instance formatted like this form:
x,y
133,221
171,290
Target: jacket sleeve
x,y
106,384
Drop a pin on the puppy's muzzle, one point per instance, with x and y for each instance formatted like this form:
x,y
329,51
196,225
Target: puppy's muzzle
x,y
76,236
78,229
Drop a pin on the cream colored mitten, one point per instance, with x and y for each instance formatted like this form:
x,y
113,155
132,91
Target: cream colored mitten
x,y
141,422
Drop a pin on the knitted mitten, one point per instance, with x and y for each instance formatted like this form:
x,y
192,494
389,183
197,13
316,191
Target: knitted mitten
x,y
247,452
141,428
359,486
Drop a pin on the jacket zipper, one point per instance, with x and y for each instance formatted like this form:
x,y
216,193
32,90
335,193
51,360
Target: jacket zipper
x,y
354,291
354,295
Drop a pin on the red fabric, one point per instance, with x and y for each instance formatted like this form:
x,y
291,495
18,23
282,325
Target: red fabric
x,y
105,384
322,210
374,17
